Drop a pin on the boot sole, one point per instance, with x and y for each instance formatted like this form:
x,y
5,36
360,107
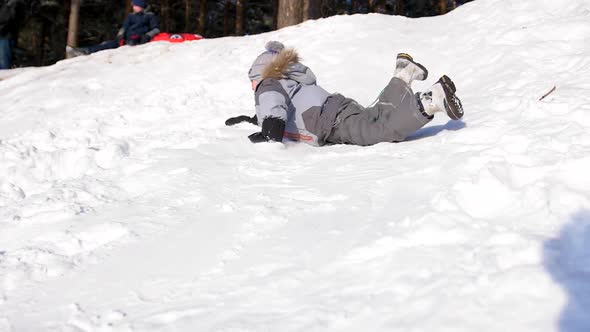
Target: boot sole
x,y
453,105
408,57
445,80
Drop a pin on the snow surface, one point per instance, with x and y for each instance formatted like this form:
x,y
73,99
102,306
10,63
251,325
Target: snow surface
x,y
126,204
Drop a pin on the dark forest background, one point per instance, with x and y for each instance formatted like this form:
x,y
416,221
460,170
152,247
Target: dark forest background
x,y
42,38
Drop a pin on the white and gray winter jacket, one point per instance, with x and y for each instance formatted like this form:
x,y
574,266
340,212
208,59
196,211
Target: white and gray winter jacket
x,y
289,91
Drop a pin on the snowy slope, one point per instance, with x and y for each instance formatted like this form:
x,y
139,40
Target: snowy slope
x,y
127,205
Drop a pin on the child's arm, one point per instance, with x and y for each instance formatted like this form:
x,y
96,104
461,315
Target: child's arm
x,y
121,33
154,27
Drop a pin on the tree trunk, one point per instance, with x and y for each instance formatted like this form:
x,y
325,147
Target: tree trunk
x,y
275,14
240,17
329,8
187,15
353,7
226,18
290,13
305,10
165,15
56,36
400,7
202,17
443,7
73,23
379,6
45,28
312,9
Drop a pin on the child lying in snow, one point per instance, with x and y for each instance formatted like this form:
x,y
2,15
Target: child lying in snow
x,y
289,103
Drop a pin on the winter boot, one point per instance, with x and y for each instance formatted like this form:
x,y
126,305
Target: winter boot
x,y
407,70
442,97
72,52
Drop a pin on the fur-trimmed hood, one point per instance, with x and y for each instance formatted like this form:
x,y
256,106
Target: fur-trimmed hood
x,y
286,65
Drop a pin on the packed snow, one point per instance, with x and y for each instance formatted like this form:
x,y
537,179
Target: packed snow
x,y
126,204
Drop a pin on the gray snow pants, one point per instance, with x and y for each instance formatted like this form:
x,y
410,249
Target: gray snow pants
x,y
396,115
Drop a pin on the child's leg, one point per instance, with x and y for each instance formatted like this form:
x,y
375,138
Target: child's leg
x,y
397,114
107,45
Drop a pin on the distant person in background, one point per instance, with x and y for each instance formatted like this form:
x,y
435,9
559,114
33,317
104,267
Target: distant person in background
x,y
139,28
290,105
12,14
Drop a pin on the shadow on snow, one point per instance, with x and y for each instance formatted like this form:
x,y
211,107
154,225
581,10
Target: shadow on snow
x,y
567,259
435,130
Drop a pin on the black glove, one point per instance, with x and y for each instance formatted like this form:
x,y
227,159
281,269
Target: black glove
x,y
272,129
144,39
258,138
242,118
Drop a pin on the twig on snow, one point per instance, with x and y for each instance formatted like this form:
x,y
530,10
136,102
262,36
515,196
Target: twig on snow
x,y
548,93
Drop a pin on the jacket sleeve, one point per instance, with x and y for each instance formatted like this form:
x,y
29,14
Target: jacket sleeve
x,y
123,30
121,33
154,27
271,100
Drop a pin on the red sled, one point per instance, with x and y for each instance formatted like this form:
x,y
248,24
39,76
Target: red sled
x,y
176,37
